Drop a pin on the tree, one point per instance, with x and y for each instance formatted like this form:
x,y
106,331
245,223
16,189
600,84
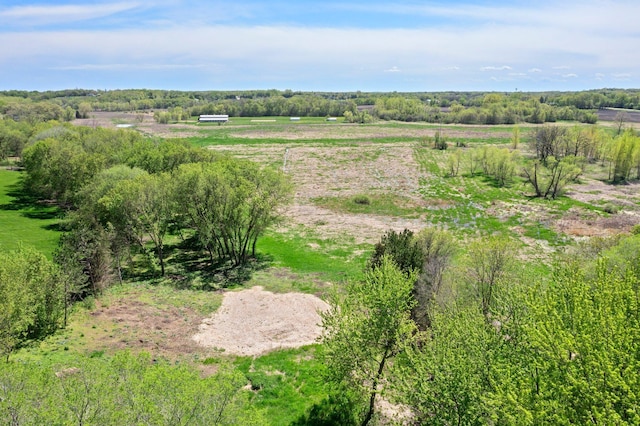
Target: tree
x,y
31,298
444,375
230,203
515,137
84,109
584,334
366,327
437,247
619,120
547,142
490,261
143,207
402,247
550,180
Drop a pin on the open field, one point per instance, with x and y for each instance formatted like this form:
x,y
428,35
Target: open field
x,y
352,184
326,235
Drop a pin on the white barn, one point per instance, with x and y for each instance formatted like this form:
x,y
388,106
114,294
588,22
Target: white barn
x,y
213,118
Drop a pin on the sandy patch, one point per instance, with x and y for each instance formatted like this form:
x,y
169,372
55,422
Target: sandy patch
x,y
254,321
363,228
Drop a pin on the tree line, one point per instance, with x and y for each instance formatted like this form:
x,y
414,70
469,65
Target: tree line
x,y
443,107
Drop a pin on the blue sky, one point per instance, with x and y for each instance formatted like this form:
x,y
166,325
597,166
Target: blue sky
x,y
320,45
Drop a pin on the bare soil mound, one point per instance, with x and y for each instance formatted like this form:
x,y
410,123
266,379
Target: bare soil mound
x,y
252,322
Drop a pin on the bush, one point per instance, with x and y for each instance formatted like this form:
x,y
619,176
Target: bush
x,y
439,141
362,200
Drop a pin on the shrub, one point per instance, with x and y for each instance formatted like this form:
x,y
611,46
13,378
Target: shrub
x,y
362,199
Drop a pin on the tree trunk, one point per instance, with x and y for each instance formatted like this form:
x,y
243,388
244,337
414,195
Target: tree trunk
x,y
374,389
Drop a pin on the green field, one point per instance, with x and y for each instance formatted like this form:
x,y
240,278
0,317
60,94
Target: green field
x,y
354,182
23,220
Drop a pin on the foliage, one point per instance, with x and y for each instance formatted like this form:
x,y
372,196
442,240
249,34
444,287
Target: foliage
x,y
125,389
490,262
584,334
437,248
402,248
498,163
550,180
365,328
443,376
623,152
229,204
31,298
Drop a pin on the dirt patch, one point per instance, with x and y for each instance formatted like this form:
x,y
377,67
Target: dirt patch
x,y
363,228
132,324
252,322
140,121
328,171
355,131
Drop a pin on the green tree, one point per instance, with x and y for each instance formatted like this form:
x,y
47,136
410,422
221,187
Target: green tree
x,y
444,375
490,262
230,203
437,248
584,334
31,298
366,327
550,180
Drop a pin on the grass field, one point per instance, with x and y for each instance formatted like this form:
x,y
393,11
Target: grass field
x,y
23,220
353,183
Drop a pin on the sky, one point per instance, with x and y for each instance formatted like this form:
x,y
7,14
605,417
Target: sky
x,y
348,45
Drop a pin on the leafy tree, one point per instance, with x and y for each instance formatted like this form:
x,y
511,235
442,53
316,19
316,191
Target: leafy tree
x,y
124,389
622,152
230,203
550,180
490,261
444,376
366,327
427,254
31,298
402,248
144,208
437,248
584,334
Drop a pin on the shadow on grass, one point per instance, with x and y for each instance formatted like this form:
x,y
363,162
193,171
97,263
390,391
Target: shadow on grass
x,y
189,267
29,205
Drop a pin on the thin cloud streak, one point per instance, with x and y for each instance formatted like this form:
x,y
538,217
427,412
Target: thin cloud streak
x,y
49,14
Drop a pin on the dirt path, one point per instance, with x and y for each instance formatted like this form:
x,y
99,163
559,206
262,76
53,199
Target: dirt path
x,y
252,322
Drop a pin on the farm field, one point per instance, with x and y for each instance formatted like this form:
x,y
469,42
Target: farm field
x,y
352,184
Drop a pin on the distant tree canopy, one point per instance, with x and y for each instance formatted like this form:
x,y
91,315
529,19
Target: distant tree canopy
x,y
447,107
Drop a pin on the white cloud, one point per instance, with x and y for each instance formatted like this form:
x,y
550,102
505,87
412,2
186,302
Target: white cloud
x,y
570,75
492,68
49,14
286,54
517,74
124,67
621,75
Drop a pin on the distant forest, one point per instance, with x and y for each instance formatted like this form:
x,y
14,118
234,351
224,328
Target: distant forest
x,y
434,107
